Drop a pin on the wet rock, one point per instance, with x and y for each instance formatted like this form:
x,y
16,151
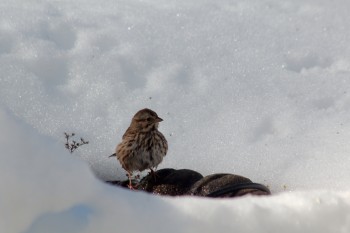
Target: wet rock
x,y
169,181
180,182
226,185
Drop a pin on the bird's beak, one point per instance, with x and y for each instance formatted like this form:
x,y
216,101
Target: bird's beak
x,y
158,119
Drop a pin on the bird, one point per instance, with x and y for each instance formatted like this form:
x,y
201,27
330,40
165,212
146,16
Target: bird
x,y
143,146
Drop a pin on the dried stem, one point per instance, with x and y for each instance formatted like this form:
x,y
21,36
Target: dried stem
x,y
71,144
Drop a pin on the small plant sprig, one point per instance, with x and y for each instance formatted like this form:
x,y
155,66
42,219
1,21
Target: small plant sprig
x,y
73,145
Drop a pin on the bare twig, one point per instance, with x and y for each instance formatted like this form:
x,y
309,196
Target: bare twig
x,y
73,145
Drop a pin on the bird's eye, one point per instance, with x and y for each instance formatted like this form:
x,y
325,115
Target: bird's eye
x,y
148,119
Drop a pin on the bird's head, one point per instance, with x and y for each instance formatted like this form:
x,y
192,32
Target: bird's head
x,y
145,120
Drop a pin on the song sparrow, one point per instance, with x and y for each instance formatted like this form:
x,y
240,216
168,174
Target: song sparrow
x,y
143,146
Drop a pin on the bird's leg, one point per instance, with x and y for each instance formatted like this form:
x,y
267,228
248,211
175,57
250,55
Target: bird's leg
x,y
130,182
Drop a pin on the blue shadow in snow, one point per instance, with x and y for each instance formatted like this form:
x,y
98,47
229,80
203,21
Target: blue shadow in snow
x,y
72,220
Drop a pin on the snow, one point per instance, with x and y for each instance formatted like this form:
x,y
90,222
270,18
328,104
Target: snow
x,y
258,88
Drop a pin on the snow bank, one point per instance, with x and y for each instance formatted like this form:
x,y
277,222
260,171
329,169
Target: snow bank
x,y
48,191
256,88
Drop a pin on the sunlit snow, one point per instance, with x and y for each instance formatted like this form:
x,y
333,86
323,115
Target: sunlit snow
x,y
258,88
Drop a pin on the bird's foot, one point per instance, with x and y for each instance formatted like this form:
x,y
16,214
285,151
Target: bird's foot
x,y
132,185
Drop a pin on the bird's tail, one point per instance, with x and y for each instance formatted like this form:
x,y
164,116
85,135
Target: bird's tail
x,y
113,155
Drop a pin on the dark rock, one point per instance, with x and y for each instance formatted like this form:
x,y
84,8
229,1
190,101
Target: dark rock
x,y
169,181
226,185
173,182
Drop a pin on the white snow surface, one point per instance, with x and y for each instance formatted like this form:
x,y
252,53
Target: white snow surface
x,y
258,88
